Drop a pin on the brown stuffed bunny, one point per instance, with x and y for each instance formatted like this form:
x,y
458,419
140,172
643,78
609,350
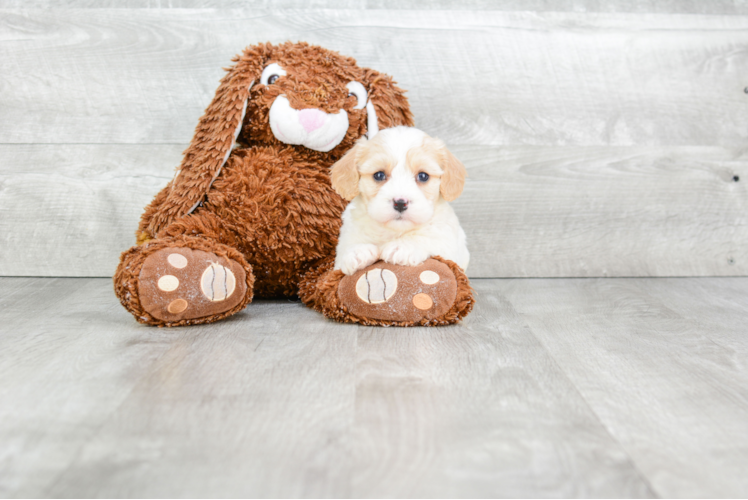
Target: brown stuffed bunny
x,y
251,212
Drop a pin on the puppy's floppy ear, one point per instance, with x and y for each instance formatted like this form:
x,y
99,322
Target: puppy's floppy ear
x,y
214,137
387,106
453,178
344,173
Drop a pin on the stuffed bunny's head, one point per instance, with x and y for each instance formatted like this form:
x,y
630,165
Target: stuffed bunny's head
x,y
292,94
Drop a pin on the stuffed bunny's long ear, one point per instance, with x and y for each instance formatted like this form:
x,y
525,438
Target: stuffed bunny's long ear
x,y
214,137
372,124
387,105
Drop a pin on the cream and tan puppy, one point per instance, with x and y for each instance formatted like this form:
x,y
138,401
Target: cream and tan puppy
x,y
399,184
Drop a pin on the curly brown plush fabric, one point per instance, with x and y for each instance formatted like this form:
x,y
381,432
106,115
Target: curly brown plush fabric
x,y
242,194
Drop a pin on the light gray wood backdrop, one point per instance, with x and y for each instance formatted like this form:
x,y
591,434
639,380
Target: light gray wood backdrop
x,y
601,140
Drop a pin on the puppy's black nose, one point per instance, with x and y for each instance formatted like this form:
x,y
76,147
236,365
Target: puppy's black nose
x,y
400,205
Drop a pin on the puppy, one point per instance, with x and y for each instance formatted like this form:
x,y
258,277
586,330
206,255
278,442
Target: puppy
x,y
399,183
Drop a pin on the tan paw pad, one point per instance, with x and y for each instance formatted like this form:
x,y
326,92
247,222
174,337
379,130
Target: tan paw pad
x,y
217,282
376,286
168,283
177,260
177,306
422,301
429,277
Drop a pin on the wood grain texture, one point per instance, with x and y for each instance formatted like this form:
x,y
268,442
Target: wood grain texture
x,y
627,6
65,367
639,6
93,404
600,143
605,211
477,410
280,402
70,210
550,388
475,77
663,363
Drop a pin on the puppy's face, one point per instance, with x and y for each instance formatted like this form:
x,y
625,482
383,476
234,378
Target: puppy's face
x,y
399,174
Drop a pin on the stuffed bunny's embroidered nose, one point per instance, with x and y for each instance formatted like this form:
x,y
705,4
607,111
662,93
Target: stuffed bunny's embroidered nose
x,y
311,119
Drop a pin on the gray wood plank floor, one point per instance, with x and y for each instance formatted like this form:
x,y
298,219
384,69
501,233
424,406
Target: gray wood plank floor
x,y
554,387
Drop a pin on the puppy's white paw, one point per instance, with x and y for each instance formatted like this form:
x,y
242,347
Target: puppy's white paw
x,y
403,254
358,257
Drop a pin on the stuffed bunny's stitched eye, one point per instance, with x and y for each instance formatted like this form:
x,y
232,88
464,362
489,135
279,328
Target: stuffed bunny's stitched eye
x,y
271,73
358,90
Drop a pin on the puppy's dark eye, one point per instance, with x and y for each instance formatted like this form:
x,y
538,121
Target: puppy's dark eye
x,y
272,79
380,176
423,177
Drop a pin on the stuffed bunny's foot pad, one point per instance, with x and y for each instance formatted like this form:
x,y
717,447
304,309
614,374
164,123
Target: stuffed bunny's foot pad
x,y
389,292
181,283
